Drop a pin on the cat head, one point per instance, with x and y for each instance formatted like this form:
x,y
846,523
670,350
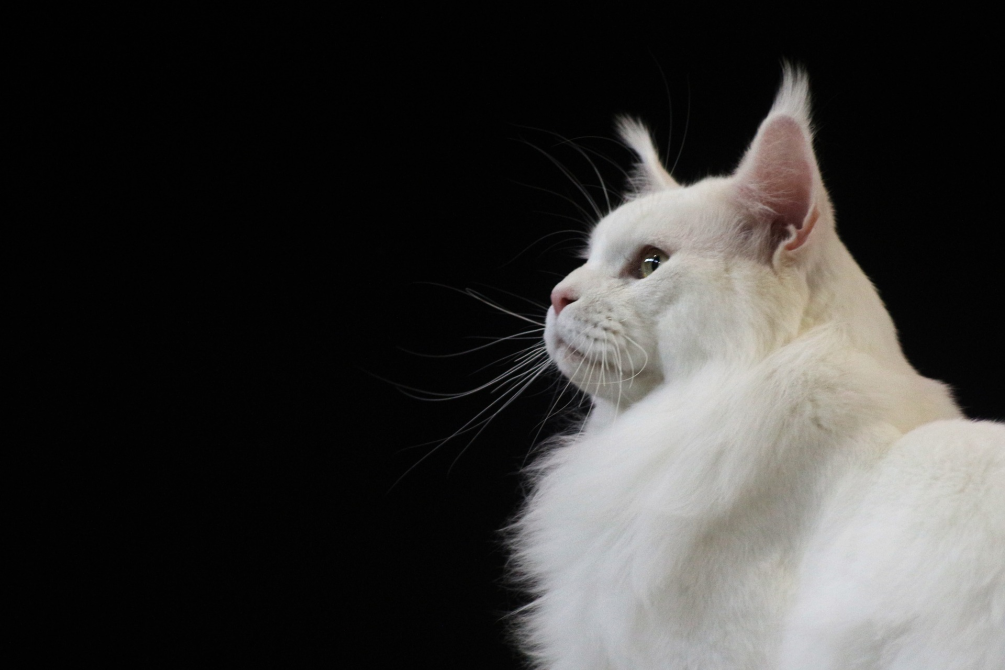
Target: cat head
x,y
681,277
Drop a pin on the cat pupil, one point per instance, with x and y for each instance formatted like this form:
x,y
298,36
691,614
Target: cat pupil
x,y
650,264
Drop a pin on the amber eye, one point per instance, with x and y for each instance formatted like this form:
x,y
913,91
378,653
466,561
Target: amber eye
x,y
652,260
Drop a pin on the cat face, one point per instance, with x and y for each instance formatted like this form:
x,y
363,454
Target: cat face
x,y
667,288
679,278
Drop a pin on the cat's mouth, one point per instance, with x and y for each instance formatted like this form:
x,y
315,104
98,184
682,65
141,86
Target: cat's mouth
x,y
567,350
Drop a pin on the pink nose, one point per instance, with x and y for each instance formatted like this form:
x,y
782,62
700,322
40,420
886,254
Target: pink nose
x,y
561,297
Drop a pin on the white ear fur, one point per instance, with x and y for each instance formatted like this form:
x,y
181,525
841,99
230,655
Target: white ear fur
x,y
649,174
778,176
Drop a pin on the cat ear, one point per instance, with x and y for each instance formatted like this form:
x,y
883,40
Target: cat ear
x,y
777,178
649,174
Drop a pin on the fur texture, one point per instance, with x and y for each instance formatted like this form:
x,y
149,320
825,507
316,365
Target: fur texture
x,y
764,481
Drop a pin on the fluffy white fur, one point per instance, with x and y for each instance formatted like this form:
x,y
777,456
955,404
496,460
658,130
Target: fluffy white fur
x,y
764,481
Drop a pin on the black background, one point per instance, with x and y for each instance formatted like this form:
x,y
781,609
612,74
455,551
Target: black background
x,y
237,232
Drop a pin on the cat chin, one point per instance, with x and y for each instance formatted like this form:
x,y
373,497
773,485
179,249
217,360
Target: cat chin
x,y
595,378
563,351
571,362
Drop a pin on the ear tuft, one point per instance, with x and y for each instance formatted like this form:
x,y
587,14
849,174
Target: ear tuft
x,y
649,174
793,97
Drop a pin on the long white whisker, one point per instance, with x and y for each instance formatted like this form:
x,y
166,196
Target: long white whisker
x,y
564,216
478,296
573,142
687,121
509,384
495,340
631,364
524,359
439,397
473,423
645,362
579,233
481,298
520,297
617,357
571,177
603,186
588,218
557,395
513,396
666,87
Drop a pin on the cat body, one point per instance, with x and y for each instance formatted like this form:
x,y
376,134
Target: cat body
x,y
763,480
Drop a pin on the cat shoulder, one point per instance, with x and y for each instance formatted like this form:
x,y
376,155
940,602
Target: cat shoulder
x,y
941,488
956,456
911,574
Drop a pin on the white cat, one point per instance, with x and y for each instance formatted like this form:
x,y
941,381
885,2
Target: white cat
x,y
763,480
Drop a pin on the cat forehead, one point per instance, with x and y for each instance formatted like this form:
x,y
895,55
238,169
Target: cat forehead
x,y
696,216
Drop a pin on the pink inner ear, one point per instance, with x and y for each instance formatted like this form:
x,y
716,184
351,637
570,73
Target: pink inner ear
x,y
777,175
